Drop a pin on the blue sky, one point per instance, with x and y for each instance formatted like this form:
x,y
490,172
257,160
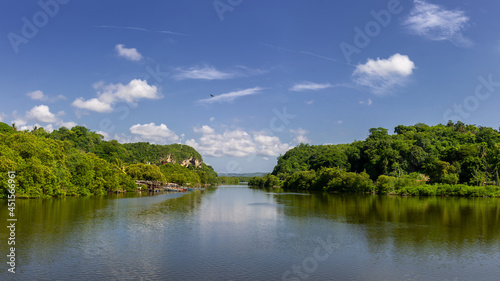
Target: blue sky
x,y
280,72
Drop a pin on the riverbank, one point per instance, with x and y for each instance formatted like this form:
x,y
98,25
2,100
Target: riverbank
x,y
334,180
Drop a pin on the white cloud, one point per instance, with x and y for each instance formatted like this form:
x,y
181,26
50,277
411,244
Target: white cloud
x,y
68,125
47,127
367,102
229,97
212,119
236,143
41,113
203,73
39,95
36,95
309,102
128,53
382,75
300,135
104,134
110,94
151,132
310,86
2,116
92,105
204,130
19,122
436,23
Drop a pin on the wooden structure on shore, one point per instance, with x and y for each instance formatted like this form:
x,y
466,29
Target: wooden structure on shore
x,y
159,186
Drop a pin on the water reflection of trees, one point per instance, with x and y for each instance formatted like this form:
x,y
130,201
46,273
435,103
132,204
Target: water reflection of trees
x,y
45,226
409,219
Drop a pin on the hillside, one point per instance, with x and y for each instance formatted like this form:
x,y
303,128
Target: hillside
x,y
78,161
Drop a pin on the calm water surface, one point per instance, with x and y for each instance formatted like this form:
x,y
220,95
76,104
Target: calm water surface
x,y
238,233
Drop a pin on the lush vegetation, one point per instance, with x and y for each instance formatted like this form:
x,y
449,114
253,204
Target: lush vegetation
x,y
78,162
451,159
265,181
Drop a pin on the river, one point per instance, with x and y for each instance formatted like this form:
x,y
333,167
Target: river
x,y
240,233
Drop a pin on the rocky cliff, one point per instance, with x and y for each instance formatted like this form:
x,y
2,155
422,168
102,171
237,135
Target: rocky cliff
x,y
186,162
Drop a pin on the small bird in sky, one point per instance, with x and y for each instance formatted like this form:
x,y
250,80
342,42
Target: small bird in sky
x,y
211,95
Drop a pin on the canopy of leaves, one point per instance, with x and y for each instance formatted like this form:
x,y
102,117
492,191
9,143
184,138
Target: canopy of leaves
x,y
78,161
449,154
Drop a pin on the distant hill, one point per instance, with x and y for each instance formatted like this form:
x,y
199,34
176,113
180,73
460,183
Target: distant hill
x,y
242,175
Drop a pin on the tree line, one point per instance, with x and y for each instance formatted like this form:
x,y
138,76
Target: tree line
x,y
451,159
79,162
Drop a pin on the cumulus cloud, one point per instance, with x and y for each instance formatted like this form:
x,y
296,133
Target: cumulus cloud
x,y
108,95
237,143
203,73
128,53
47,127
305,86
229,97
93,105
2,116
381,75
300,135
41,114
436,23
39,95
160,134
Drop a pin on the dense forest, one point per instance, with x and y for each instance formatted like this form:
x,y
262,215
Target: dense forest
x,y
78,161
451,159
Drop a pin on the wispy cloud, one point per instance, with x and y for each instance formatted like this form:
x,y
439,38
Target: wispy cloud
x,y
316,55
142,29
436,23
381,75
128,53
367,102
298,52
229,97
203,73
305,86
39,95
